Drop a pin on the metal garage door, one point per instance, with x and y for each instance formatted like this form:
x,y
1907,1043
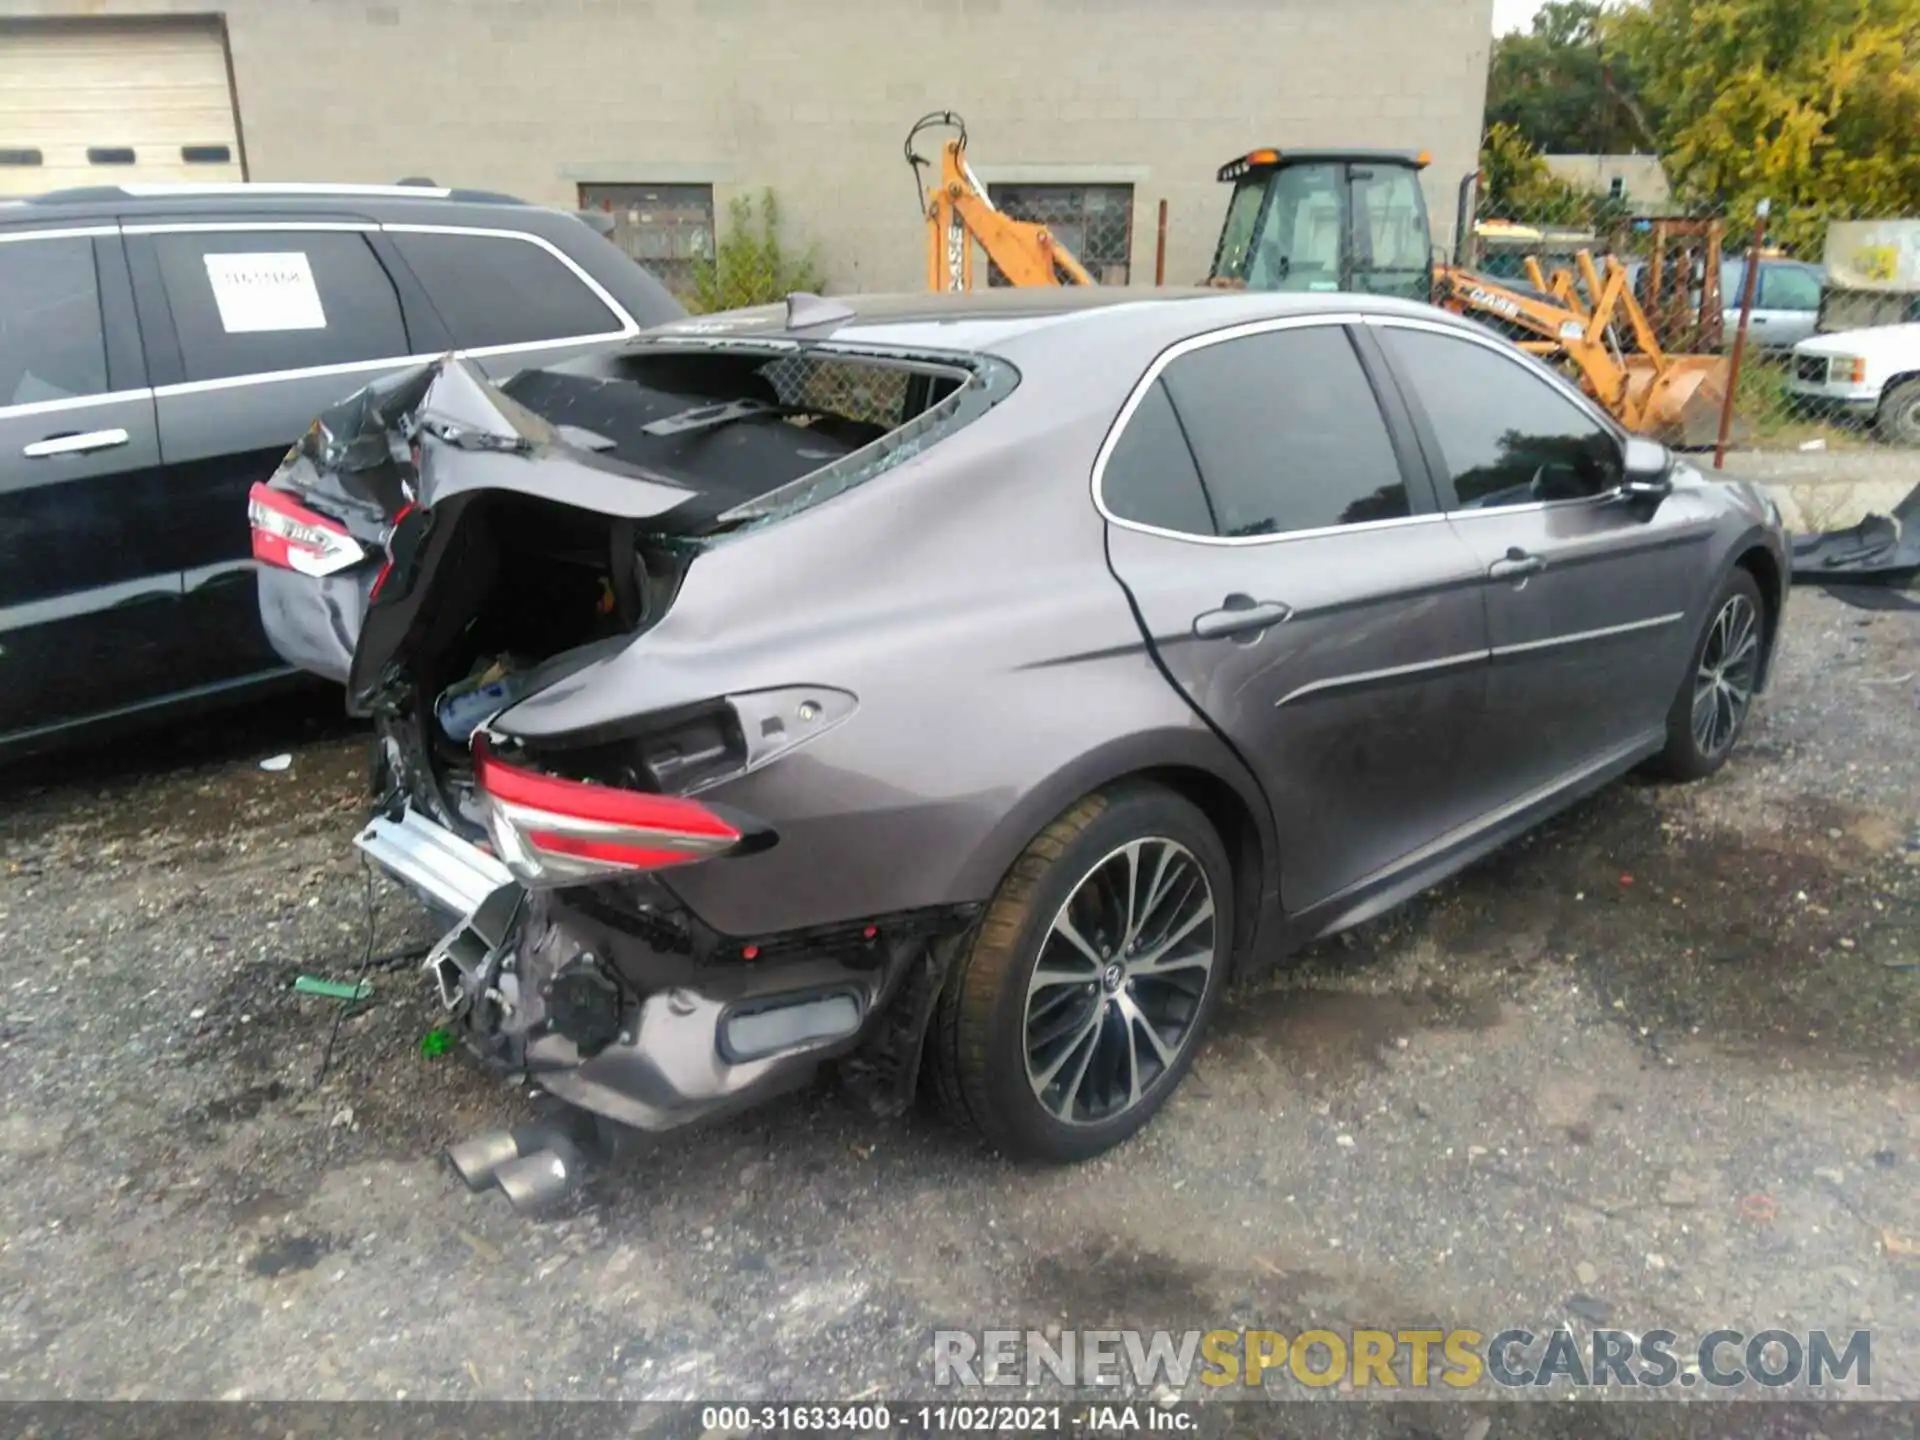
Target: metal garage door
x,y
110,102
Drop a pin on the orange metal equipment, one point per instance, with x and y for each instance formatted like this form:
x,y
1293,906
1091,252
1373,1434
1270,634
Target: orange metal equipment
x,y
1673,398
1684,247
958,214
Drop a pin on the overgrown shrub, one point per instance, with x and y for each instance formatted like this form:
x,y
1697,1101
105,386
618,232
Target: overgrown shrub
x,y
751,265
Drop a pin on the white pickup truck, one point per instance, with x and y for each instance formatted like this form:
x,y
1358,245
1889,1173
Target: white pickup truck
x,y
1866,375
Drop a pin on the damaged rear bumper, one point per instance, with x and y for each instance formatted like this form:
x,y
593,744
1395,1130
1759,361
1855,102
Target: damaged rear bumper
x,y
452,876
622,1003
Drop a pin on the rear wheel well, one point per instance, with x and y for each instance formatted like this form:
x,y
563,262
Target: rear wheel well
x,y
1759,563
1227,812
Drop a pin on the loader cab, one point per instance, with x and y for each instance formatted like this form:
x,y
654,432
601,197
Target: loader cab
x,y
1326,220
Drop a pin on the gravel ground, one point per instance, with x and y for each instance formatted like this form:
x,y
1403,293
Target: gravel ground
x,y
1658,1064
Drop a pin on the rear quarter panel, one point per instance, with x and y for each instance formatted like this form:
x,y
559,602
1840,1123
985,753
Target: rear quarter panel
x,y
965,599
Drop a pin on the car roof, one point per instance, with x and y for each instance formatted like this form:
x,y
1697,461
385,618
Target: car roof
x,y
240,199
1008,321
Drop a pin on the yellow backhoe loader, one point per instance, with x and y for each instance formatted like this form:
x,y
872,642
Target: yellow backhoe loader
x,y
1673,398
1356,220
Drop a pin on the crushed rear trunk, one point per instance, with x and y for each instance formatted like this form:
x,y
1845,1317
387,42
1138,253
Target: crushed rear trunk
x,y
450,549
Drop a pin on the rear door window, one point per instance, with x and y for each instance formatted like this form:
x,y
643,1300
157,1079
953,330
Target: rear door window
x,y
1150,476
502,289
1287,433
51,343
249,302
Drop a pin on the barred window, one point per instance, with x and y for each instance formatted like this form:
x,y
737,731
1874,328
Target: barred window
x,y
1095,222
666,228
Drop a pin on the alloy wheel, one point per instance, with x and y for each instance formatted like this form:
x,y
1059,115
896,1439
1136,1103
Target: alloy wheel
x,y
1723,685
1119,981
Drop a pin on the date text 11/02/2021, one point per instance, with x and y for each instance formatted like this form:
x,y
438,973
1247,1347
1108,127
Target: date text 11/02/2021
x,y
945,1419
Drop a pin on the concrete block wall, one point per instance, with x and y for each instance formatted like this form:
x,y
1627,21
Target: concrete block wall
x,y
814,98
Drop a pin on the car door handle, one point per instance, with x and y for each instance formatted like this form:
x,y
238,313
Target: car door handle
x,y
1517,566
1239,615
75,444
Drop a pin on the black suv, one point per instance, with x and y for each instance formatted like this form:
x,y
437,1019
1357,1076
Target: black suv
x,y
160,349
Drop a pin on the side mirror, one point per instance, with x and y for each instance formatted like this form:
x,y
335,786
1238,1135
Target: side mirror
x,y
1646,476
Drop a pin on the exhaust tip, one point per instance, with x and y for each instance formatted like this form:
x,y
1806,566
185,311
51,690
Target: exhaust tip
x,y
476,1160
535,1183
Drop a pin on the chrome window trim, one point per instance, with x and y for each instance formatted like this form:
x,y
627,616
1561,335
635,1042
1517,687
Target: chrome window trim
x,y
1200,342
7,237
205,227
72,402
162,189
627,325
1514,356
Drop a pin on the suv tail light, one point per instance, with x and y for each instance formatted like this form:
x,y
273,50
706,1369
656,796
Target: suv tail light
x,y
551,831
289,536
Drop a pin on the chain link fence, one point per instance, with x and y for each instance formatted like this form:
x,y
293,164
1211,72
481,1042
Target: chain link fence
x,y
1673,279
860,390
1094,223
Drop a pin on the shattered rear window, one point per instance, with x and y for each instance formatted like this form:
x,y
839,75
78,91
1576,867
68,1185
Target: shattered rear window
x,y
758,429
894,448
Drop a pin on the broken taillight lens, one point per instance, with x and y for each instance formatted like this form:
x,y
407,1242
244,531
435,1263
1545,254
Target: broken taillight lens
x,y
289,536
551,831
393,535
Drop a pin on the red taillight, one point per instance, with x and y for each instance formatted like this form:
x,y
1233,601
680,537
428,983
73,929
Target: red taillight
x,y
551,831
386,568
608,852
289,536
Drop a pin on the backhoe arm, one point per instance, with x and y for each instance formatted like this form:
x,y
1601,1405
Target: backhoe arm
x,y
1467,293
959,214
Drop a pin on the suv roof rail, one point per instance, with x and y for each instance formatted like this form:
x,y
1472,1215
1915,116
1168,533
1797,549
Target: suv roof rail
x,y
265,188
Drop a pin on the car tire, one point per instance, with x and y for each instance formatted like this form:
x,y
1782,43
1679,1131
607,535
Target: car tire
x,y
1104,1048
1716,696
1899,418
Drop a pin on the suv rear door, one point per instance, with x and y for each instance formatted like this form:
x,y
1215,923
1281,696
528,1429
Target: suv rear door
x,y
251,329
1285,553
89,601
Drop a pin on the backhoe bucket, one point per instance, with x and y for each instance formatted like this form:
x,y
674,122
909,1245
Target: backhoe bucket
x,y
1678,404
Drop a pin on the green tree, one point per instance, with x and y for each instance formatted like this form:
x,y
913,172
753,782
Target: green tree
x,y
1516,184
1814,104
1563,89
751,264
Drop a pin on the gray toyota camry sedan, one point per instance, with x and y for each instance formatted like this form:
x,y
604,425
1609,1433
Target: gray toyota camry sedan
x,y
963,690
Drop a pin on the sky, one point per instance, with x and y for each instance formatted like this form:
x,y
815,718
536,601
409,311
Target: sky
x,y
1513,14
